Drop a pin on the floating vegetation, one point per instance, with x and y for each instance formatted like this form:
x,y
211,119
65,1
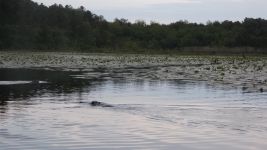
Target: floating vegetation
x,y
231,70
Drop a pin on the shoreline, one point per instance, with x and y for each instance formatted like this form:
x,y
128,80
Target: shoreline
x,y
201,51
248,74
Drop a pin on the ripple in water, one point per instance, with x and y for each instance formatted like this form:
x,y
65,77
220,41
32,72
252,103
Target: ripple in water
x,y
145,115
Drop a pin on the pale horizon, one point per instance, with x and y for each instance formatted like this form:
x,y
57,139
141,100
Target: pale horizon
x,y
167,11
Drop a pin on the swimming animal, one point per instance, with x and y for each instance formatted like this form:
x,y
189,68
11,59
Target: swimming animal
x,y
99,104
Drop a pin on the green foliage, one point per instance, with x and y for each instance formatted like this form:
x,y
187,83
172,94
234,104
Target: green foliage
x,y
27,25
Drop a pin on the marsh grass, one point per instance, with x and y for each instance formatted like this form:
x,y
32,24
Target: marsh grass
x,y
234,70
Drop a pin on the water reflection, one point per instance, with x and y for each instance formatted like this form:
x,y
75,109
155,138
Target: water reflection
x,y
52,82
146,115
19,84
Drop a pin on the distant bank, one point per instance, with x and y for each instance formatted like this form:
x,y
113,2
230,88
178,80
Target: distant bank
x,y
26,25
208,51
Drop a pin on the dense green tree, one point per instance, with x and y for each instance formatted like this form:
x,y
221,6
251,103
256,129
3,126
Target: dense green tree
x,y
27,25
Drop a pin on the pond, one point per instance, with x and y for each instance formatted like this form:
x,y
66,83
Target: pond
x,y
50,109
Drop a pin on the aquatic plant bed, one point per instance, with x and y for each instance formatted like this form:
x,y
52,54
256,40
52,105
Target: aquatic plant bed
x,y
246,73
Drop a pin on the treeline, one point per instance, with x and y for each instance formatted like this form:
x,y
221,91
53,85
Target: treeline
x,y
27,25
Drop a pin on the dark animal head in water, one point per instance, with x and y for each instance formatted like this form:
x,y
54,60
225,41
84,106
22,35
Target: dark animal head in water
x,y
96,103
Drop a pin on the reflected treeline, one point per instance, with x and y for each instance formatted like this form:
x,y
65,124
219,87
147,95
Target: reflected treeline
x,y
55,82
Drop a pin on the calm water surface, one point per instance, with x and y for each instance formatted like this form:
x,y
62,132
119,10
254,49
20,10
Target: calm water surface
x,y
55,113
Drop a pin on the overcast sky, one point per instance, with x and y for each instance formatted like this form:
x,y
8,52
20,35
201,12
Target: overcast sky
x,y
166,11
